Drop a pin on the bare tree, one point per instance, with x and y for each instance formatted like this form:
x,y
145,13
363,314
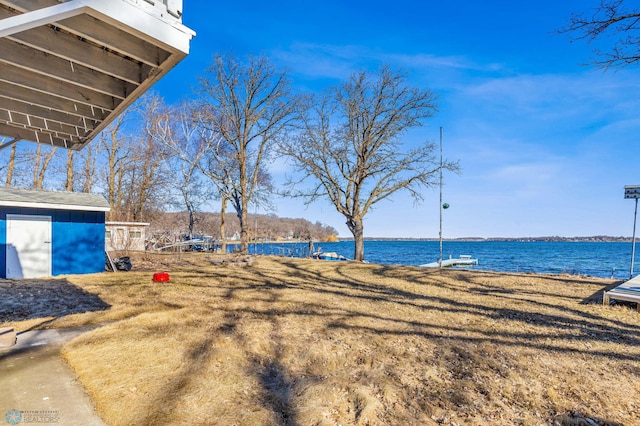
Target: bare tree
x,y
114,147
41,162
184,151
248,104
358,160
88,173
20,164
612,18
148,179
7,163
131,153
218,163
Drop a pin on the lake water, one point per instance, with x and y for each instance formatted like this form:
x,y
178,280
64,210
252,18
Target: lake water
x,y
596,259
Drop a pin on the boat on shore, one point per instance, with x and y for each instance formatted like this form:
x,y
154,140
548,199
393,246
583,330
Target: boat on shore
x,y
462,260
329,255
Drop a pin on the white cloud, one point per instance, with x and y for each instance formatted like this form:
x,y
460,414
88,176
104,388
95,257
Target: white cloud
x,y
424,61
339,61
542,154
321,61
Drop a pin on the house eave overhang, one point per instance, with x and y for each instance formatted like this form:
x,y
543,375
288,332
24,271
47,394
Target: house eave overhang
x,y
54,206
69,68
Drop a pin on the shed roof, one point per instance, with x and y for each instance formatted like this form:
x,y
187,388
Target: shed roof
x,y
58,200
69,67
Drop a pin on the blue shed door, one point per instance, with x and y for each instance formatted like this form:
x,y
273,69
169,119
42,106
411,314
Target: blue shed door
x,y
28,246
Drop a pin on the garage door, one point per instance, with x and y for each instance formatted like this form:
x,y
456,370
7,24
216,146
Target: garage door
x,y
28,246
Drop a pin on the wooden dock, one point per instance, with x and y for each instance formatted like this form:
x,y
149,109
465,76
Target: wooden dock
x,y
463,260
628,291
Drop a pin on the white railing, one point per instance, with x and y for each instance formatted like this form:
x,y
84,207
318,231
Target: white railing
x,y
167,10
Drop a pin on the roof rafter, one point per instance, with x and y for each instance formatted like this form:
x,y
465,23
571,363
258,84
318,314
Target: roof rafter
x,y
69,68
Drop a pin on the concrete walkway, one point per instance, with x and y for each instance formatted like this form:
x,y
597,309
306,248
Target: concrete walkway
x,y
37,386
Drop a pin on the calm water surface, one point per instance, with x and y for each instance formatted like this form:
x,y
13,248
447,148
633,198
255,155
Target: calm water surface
x,y
577,258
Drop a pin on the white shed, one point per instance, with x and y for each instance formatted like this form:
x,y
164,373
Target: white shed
x,y
125,235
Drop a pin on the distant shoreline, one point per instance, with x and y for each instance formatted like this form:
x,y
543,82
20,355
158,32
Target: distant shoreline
x,y
595,239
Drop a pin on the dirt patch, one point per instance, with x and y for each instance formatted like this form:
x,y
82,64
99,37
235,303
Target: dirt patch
x,y
167,261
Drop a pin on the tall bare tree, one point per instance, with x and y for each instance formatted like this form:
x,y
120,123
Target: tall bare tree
x,y
616,20
131,161
184,149
7,163
248,103
147,180
351,148
41,162
88,171
114,147
20,165
218,163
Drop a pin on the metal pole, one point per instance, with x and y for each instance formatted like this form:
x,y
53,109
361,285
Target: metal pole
x,y
440,258
633,244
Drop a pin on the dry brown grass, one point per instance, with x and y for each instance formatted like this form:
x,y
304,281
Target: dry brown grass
x,y
300,342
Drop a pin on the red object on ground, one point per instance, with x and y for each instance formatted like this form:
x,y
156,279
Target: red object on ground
x,y
160,277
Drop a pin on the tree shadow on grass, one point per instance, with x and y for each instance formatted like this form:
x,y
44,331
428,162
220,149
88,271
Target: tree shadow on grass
x,y
196,358
31,299
476,282
564,324
573,418
277,391
276,385
277,381
554,328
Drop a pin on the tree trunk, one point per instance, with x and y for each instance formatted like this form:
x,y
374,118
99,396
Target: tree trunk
x,y
111,173
36,166
89,169
244,240
356,227
12,165
192,219
45,165
244,202
68,186
223,213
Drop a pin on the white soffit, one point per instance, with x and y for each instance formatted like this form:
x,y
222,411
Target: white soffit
x,y
68,68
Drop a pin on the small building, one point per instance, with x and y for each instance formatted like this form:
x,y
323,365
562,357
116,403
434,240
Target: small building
x,y
48,233
126,235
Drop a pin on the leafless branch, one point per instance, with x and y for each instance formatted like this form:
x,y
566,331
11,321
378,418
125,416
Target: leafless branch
x,y
351,150
611,18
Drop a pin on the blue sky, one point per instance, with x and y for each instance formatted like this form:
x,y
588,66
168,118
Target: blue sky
x,y
546,144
